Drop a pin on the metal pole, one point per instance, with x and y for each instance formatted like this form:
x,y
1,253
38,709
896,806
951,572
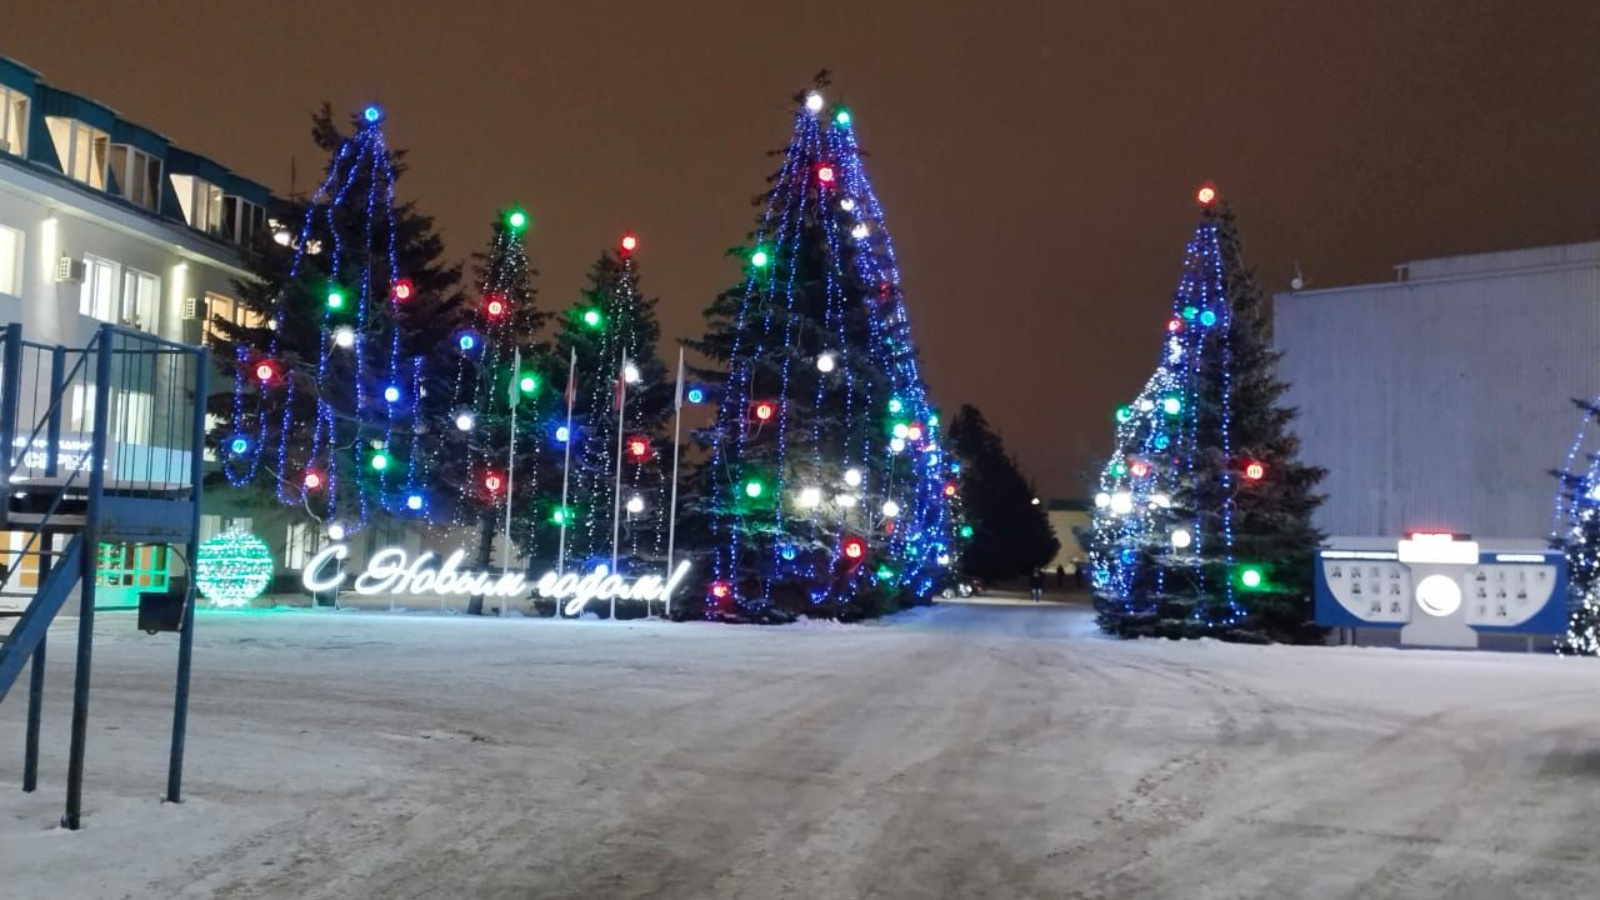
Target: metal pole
x,y
89,556
566,468
10,399
511,473
58,374
616,490
180,700
30,758
672,506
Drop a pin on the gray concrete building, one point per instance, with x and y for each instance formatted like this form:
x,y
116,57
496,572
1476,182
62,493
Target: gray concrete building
x,y
1441,400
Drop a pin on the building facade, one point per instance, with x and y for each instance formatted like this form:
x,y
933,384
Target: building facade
x,y
104,220
1440,401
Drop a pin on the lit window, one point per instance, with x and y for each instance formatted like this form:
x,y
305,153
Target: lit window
x,y
84,151
10,261
138,175
99,295
201,201
13,121
140,294
228,310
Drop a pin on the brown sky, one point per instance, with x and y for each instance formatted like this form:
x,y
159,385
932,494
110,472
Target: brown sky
x,y
1036,159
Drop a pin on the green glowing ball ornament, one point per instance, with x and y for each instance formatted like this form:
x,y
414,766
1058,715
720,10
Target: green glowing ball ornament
x,y
233,568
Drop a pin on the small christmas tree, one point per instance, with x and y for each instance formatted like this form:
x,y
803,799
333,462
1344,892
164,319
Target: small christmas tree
x,y
1577,534
611,334
825,488
330,411
1203,520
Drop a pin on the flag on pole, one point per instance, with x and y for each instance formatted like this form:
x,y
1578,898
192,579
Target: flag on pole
x,y
622,387
572,379
513,395
677,400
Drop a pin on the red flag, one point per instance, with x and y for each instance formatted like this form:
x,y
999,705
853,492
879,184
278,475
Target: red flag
x,y
621,391
572,379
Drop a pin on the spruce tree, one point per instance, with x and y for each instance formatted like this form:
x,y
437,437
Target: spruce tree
x,y
824,488
331,412
1204,518
612,334
1577,534
499,363
1010,533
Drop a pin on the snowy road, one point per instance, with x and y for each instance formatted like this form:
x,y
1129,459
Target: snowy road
x,y
969,752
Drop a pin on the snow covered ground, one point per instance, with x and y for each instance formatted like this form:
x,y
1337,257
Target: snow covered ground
x,y
962,752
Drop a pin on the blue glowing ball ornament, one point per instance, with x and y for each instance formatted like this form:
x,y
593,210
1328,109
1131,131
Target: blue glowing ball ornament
x,y
414,502
372,114
562,434
1208,318
697,395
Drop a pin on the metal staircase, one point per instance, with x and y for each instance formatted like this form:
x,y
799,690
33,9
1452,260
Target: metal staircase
x,y
98,444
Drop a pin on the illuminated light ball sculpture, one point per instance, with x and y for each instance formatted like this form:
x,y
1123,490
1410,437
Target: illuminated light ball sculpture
x,y
312,481
629,243
764,410
759,259
1206,196
402,290
266,372
592,318
825,174
638,449
233,568
854,549
1254,471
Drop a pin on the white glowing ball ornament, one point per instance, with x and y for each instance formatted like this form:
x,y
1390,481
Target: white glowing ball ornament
x,y
813,101
636,504
465,421
1122,503
852,477
810,498
1181,538
344,337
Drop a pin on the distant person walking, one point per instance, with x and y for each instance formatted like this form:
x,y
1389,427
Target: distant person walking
x,y
1036,584
1079,575
1061,577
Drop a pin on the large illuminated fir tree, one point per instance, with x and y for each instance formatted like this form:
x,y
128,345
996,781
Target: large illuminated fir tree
x,y
330,411
499,369
1203,518
1576,532
612,333
825,488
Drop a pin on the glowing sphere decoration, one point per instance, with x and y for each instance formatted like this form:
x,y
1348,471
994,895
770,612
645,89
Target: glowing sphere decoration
x,y
897,445
1254,471
239,446
592,318
852,477
496,307
890,509
696,394
1251,577
764,410
1102,500
465,421
1181,538
402,290
1124,414
414,502
379,461
372,114
558,516
854,548
1206,196
1189,312
825,174
629,243
528,383
638,448
759,259
913,432
813,101
266,372
492,482
1171,405
312,480
517,220
630,373
842,118
1208,318
391,394
721,590
336,531
809,498
1122,503
966,531
344,337
1175,325
950,489
900,431
233,568
636,504
895,406
825,363
861,231
1140,468
847,204
562,434
467,342
754,489
336,299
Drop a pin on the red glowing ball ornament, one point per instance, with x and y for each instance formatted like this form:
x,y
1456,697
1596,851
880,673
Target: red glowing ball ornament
x,y
825,174
854,548
1206,196
492,482
1254,471
312,480
402,290
721,590
266,372
950,489
1140,468
638,448
497,307
914,432
629,243
1175,325
764,410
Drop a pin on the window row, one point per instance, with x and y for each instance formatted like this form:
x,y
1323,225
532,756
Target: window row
x,y
13,121
124,297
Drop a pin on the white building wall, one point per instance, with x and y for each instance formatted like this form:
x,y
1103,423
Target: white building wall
x,y
1442,401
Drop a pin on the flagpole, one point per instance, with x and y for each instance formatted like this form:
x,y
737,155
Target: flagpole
x,y
566,468
511,466
672,506
616,491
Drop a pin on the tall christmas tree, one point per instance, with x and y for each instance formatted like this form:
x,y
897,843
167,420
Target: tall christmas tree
x,y
1203,518
610,337
330,411
1009,531
499,383
1576,532
825,491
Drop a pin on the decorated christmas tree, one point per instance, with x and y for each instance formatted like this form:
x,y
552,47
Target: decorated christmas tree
x,y
825,491
622,396
499,383
1576,532
330,411
1203,517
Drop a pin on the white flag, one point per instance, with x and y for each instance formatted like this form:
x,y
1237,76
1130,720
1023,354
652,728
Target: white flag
x,y
513,388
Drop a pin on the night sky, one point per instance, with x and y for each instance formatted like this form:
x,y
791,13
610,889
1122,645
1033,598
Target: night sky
x,y
1037,160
